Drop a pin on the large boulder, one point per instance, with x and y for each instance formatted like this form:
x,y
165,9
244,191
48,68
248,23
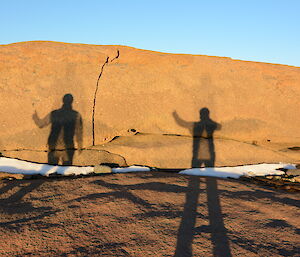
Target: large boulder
x,y
129,100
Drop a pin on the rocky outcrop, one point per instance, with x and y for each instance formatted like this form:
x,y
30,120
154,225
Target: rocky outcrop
x,y
127,99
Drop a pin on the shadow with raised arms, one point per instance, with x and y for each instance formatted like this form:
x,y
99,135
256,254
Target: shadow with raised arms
x,y
66,124
203,154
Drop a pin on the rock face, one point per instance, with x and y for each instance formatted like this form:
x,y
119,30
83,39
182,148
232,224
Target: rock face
x,y
142,107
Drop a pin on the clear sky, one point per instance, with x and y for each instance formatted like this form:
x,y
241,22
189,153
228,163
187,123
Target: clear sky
x,y
254,30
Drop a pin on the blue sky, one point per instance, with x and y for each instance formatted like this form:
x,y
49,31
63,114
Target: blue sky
x,y
254,30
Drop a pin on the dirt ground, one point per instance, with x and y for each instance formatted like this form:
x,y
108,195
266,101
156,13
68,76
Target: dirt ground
x,y
146,214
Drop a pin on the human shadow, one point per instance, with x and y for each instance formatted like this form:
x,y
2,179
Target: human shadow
x,y
203,151
115,190
203,154
66,124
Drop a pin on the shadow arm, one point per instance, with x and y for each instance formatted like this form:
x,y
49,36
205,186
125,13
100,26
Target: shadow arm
x,y
181,122
41,122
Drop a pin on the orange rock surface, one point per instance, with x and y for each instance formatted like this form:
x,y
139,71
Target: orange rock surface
x,y
256,104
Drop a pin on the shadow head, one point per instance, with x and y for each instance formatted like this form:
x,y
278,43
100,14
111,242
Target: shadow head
x,y
204,114
68,100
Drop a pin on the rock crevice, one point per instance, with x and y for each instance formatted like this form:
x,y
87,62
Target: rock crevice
x,y
96,91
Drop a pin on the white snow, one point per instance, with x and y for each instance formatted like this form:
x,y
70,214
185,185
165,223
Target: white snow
x,y
238,171
28,168
130,169
10,165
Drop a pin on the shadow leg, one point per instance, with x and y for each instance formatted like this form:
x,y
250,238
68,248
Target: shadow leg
x,y
68,157
52,157
186,229
218,231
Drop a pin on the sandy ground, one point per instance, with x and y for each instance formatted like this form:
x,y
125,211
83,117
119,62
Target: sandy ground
x,y
146,214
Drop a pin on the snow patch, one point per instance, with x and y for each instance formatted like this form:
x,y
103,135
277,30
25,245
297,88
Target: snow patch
x,y
131,169
10,165
238,171
28,168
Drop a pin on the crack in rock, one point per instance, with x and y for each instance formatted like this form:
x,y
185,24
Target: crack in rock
x,y
96,90
116,57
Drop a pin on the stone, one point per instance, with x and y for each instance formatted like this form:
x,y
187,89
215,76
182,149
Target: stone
x,y
297,179
146,103
293,172
102,169
5,175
